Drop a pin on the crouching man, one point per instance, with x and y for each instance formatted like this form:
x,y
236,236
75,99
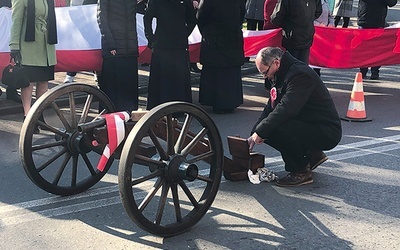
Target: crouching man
x,y
299,120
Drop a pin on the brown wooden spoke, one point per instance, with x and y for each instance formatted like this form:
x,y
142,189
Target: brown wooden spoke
x,y
189,194
154,174
88,164
161,203
204,178
48,145
156,142
201,157
193,143
170,135
151,194
61,169
175,198
52,159
61,116
183,134
85,109
72,105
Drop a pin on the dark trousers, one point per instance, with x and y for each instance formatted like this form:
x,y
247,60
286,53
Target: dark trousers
x,y
346,21
294,139
253,24
301,54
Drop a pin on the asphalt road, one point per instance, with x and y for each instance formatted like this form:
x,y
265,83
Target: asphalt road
x,y
352,204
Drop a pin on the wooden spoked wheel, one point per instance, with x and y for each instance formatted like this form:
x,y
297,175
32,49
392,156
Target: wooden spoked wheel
x,y
60,159
168,190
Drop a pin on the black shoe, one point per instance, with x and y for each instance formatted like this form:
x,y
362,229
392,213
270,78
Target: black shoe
x,y
316,159
374,76
296,179
364,75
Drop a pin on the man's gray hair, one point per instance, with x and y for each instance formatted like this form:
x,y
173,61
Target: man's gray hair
x,y
269,54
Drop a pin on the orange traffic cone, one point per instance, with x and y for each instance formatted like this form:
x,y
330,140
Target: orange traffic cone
x,y
356,110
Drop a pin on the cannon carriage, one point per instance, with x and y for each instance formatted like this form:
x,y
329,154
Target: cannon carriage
x,y
170,158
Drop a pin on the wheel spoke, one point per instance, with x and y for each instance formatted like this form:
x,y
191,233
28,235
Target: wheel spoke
x,y
88,164
86,108
49,145
204,178
193,143
61,169
156,173
52,159
177,207
183,134
74,169
201,157
52,129
143,160
73,110
157,144
170,135
189,194
151,194
61,116
161,203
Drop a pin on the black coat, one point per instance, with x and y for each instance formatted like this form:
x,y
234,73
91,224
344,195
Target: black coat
x,y
372,13
117,23
301,95
296,18
176,20
220,24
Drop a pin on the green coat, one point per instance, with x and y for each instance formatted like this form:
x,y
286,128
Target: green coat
x,y
39,52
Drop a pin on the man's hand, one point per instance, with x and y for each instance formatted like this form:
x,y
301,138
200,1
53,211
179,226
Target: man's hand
x,y
254,139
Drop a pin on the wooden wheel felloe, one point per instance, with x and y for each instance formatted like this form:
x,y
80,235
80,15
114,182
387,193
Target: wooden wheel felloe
x,y
168,191
60,159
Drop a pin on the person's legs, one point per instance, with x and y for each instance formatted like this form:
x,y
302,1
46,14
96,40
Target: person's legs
x,y
12,94
251,24
260,24
364,72
375,73
294,140
69,77
346,21
26,97
337,20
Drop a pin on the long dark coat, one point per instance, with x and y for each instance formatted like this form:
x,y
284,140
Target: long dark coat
x,y
222,36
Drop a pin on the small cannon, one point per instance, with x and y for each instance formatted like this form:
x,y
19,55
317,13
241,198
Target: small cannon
x,y
170,158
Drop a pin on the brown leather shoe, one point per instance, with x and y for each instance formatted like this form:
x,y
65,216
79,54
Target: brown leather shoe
x,y
296,179
316,159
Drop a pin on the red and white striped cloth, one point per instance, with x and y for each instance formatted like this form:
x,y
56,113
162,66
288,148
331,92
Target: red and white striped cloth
x,y
115,123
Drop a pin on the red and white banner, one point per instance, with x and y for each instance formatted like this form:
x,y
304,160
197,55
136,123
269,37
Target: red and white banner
x,y
78,47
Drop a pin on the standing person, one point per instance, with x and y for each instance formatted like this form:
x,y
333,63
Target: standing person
x,y
32,42
343,8
119,48
269,7
169,69
296,18
372,14
324,20
221,54
11,91
255,14
300,119
193,65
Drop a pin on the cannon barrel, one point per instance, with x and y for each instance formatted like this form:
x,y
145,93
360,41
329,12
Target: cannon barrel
x,y
85,127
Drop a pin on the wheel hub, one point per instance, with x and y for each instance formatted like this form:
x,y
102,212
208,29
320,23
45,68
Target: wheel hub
x,y
179,169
